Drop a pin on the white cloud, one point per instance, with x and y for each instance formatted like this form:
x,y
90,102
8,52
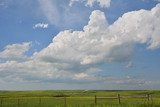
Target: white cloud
x,y
100,42
59,14
130,81
76,55
80,76
90,3
50,10
41,25
15,51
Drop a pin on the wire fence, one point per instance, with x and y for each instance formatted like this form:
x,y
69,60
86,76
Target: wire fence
x,y
148,97
64,101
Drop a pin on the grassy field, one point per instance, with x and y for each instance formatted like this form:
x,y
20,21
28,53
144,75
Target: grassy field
x,y
78,98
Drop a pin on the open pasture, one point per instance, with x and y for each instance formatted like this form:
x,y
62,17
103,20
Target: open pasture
x,y
80,98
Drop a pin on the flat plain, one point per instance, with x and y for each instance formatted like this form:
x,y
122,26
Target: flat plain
x,y
80,98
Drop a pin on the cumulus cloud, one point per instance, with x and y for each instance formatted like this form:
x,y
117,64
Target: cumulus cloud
x,y
90,3
100,42
41,25
15,51
76,55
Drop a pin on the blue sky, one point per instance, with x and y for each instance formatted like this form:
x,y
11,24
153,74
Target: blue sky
x,y
79,44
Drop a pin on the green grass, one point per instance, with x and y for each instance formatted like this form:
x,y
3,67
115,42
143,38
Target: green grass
x,y
77,98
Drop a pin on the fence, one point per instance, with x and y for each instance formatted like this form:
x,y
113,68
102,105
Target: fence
x,y
119,97
65,100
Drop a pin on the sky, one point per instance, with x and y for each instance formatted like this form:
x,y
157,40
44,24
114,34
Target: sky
x,y
79,44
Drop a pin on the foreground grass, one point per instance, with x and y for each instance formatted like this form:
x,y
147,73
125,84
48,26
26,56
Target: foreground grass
x,y
76,98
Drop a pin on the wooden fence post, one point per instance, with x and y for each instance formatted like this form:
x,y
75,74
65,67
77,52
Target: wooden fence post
x,y
95,99
119,99
65,102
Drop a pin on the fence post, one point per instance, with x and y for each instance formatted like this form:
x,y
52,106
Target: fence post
x,y
119,99
65,102
95,99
